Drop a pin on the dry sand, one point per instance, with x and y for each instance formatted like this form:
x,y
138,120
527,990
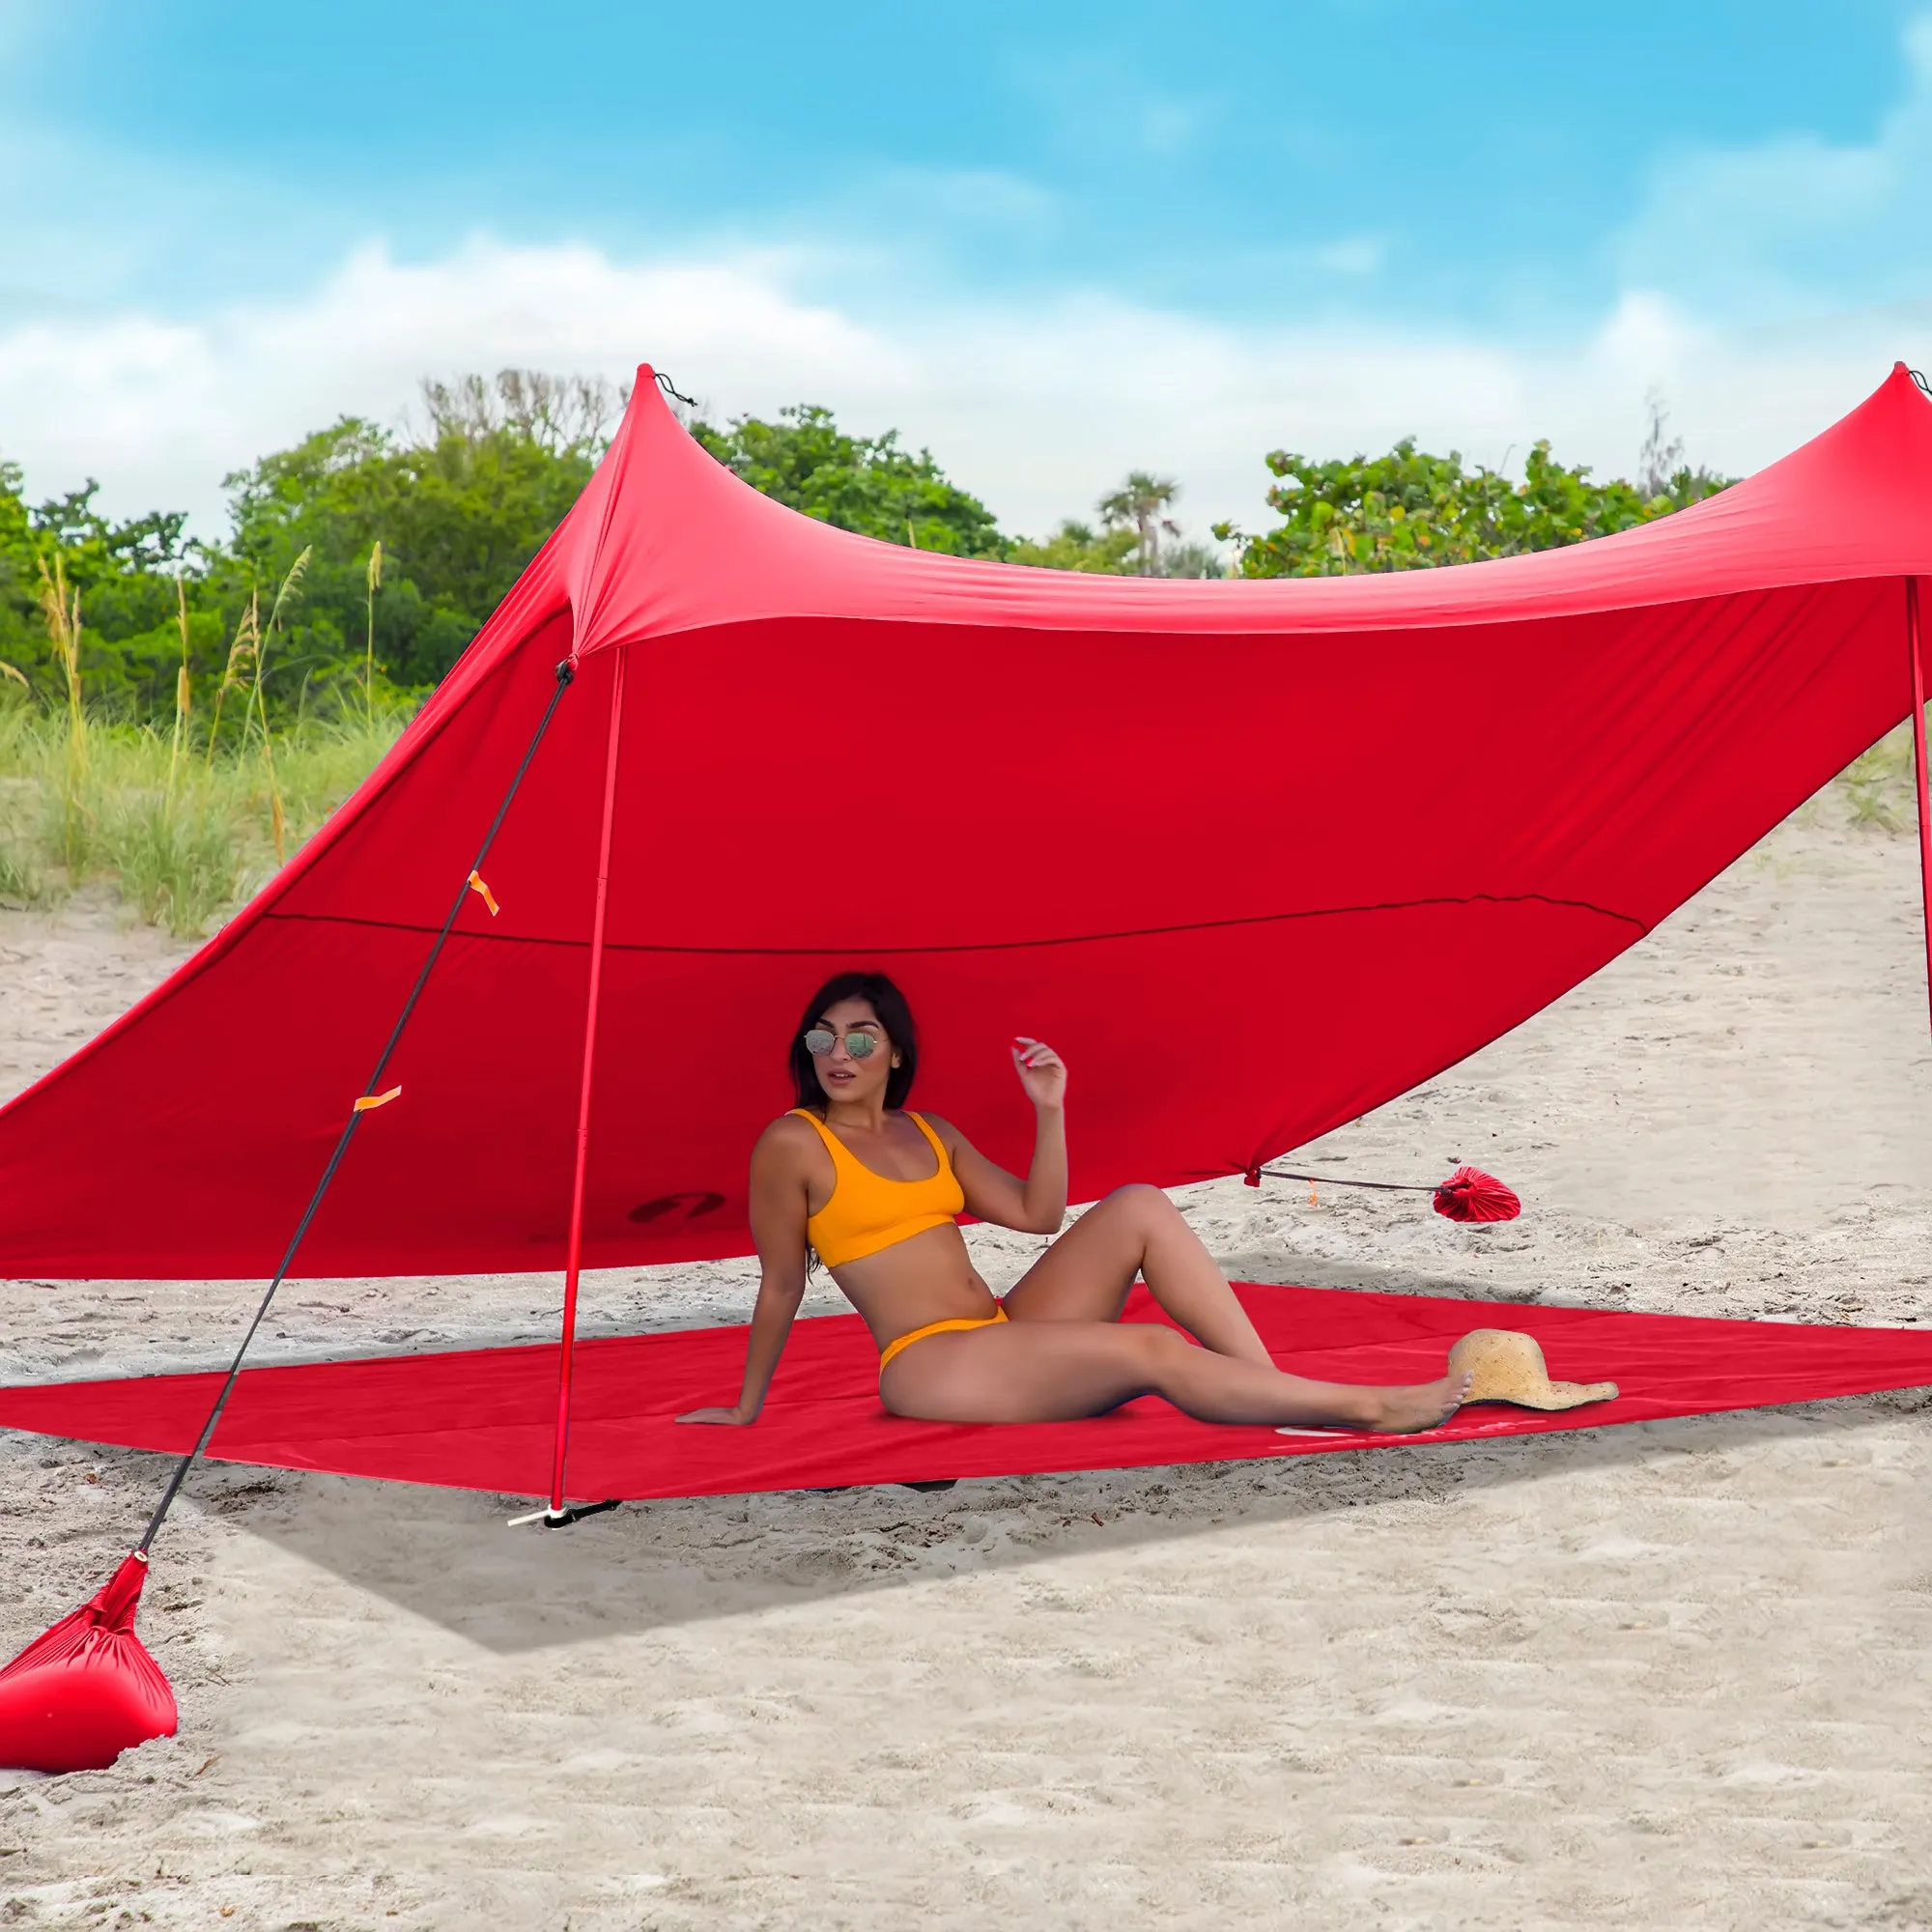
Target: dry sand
x,y
1674,1675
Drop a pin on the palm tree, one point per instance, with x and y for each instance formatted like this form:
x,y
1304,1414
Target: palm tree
x,y
1137,505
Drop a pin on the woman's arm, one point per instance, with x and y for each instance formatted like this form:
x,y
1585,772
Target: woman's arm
x,y
779,1206
1036,1205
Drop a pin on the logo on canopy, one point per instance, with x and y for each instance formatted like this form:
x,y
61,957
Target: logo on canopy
x,y
677,1207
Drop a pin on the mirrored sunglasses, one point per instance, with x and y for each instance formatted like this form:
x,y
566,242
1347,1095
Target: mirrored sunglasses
x,y
820,1041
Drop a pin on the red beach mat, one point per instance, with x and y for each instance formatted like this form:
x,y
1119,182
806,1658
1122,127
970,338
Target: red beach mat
x,y
484,1419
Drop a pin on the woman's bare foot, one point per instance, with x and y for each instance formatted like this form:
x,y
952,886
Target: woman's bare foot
x,y
1405,1411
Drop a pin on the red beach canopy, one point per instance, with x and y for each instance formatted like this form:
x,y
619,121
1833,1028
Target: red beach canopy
x,y
1255,856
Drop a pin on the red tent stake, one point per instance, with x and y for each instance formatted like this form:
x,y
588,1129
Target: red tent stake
x,y
1918,770
574,1256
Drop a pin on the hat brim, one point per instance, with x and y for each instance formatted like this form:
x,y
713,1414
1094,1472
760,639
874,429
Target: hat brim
x,y
1554,1394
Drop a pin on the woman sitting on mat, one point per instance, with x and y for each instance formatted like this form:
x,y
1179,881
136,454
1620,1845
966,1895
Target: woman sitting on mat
x,y
875,1191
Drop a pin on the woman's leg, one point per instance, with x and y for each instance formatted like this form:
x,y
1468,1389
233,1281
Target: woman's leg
x,y
1086,1274
1059,1371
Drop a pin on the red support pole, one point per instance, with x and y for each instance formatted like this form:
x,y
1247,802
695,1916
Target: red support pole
x,y
574,1254
1918,770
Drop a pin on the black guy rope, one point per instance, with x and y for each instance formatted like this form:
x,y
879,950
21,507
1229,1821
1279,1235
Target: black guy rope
x,y
1339,1180
565,673
671,389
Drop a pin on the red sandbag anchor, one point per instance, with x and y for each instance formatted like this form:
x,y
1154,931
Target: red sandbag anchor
x,y
1471,1195
77,1697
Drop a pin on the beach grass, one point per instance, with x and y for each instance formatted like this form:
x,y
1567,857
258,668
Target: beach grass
x,y
1876,790
185,830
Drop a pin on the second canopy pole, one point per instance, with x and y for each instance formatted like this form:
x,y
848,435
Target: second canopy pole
x,y
574,1250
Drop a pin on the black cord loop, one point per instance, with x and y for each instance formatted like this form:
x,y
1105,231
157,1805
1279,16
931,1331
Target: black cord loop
x,y
671,389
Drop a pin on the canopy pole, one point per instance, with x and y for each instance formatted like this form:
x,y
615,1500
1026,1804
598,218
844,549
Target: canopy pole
x,y
1919,772
574,1253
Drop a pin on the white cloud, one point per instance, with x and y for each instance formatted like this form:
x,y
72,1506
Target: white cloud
x,y
1038,407
1039,403
1759,231
158,409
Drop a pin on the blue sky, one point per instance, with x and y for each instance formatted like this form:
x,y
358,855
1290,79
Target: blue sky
x,y
1050,242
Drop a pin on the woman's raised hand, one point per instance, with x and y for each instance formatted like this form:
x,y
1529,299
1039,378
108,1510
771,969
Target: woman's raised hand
x,y
1041,1071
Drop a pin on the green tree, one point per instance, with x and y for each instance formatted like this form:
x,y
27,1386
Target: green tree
x,y
867,484
124,575
1135,538
1139,505
20,641
459,514
1186,558
460,509
1078,546
1409,509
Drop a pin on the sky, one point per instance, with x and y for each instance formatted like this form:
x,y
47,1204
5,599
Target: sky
x,y
1050,243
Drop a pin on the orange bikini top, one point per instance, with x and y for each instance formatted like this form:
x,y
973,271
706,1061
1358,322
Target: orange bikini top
x,y
868,1211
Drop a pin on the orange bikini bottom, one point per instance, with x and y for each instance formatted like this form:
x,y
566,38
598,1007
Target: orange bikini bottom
x,y
904,1341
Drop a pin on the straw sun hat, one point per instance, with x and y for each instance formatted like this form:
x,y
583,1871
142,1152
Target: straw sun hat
x,y
1509,1366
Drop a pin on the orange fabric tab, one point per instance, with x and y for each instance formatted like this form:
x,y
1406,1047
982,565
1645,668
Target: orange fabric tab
x,y
484,893
370,1101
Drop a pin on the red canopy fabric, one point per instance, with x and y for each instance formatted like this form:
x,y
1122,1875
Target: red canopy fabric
x,y
1255,856
482,1419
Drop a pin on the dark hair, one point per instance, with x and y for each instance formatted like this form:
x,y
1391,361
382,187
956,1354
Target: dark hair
x,y
894,1016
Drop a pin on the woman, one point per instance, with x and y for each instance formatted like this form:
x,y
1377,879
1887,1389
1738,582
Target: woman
x,y
874,1191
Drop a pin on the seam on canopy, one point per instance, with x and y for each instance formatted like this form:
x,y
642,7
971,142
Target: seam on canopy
x,y
1643,929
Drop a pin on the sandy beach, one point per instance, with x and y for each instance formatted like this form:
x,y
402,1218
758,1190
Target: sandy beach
x,y
1672,1675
